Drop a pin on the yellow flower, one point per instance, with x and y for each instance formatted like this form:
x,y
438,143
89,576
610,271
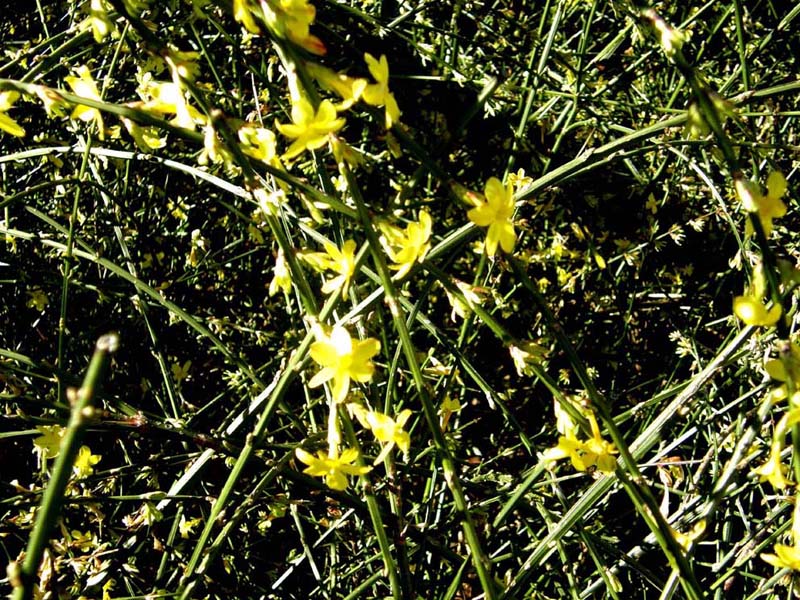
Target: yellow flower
x,y
258,142
214,151
496,213
308,129
773,470
83,85
182,64
147,138
243,13
167,98
349,88
567,447
446,410
181,372
38,299
407,246
389,432
341,261
53,102
282,278
777,368
519,179
84,462
526,353
696,126
292,19
685,540
471,298
334,469
753,312
8,124
785,557
602,451
378,94
82,541
594,452
102,26
186,527
769,206
48,445
107,587
345,153
342,359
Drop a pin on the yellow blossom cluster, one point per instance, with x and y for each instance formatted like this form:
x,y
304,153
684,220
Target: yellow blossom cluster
x,y
343,360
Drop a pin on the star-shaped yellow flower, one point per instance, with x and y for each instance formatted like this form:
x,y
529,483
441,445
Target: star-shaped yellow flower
x,y
334,469
407,246
773,470
342,359
769,206
785,557
309,129
389,432
48,445
496,214
167,98
84,462
594,452
259,142
341,261
378,94
686,539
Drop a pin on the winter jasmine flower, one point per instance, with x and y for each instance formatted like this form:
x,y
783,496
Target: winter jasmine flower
x,y
378,94
309,129
496,214
334,469
342,359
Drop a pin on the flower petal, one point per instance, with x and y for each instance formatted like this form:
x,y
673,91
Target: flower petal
x,y
776,185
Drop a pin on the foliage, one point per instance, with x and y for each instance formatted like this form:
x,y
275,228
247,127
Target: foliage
x,y
414,300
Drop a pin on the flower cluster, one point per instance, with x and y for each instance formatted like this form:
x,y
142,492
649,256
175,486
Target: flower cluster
x,y
343,360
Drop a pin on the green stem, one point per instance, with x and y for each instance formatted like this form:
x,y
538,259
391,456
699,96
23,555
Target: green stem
x,y
395,583
480,560
53,497
628,473
67,267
